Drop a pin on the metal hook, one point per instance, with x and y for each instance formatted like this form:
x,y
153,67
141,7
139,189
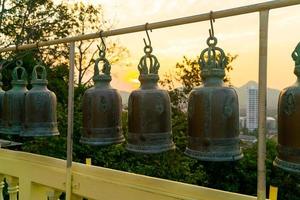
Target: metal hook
x,y
149,40
102,48
39,55
102,41
212,20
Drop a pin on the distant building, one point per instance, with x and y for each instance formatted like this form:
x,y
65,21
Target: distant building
x,y
243,122
271,125
252,108
250,139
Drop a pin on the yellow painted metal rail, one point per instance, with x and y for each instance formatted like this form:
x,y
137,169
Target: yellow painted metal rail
x,y
39,177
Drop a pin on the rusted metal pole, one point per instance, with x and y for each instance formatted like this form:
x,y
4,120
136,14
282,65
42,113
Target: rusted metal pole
x,y
262,102
163,24
70,122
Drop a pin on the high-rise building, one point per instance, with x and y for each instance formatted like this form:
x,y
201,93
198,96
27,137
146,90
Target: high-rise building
x,y
252,108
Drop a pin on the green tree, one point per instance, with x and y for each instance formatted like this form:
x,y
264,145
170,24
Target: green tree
x,y
88,19
26,21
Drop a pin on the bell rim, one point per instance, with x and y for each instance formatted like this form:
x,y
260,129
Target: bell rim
x,y
34,133
23,134
105,142
210,156
9,131
286,165
150,149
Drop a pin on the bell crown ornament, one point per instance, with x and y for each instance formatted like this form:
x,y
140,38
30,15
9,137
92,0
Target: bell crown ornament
x,y
212,60
104,76
148,67
43,76
16,79
153,66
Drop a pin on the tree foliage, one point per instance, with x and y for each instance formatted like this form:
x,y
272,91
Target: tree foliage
x,y
27,21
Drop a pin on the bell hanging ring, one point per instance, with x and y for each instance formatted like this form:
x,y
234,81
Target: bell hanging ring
x,y
14,102
288,148
40,107
102,109
213,111
149,111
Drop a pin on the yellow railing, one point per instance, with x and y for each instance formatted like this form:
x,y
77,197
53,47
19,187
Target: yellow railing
x,y
36,177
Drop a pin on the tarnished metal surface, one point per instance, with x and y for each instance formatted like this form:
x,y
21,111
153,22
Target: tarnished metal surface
x,y
288,157
40,107
2,93
102,109
14,102
213,111
149,111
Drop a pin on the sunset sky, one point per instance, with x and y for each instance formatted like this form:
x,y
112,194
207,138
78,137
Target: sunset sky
x,y
236,35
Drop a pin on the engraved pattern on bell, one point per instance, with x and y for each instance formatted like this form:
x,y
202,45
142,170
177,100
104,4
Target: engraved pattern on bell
x,y
290,104
213,111
103,104
288,149
159,108
228,111
39,103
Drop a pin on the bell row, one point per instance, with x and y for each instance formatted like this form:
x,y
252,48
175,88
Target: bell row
x,y
28,113
213,114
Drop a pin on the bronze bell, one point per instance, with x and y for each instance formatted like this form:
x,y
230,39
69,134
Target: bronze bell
x,y
213,111
2,93
40,107
102,108
288,148
149,111
14,102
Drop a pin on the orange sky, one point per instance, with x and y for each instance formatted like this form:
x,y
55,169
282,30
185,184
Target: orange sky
x,y
236,35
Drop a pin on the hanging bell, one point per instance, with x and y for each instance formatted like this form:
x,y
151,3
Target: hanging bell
x,y
102,109
288,148
149,111
40,107
14,102
213,111
2,93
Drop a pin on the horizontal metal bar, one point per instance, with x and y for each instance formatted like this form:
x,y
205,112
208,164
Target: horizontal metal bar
x,y
163,24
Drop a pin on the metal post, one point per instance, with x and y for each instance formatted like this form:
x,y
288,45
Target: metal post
x,y
262,101
70,122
